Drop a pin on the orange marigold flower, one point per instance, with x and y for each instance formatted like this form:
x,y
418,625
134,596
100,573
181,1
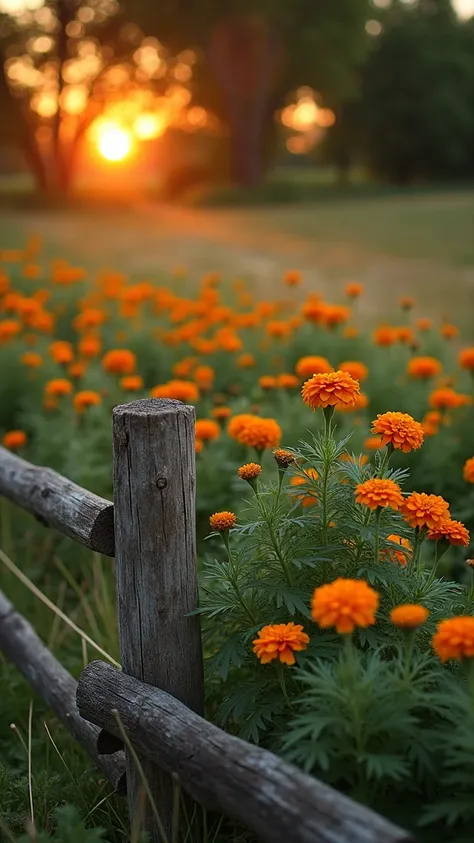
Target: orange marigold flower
x,y
85,399
306,367
204,377
335,389
454,638
119,361
422,510
245,361
9,328
468,470
378,492
280,641
132,383
384,335
449,331
399,430
361,402
287,381
298,480
409,615
466,358
452,531
267,382
350,332
221,521
77,370
374,443
447,398
407,303
14,439
237,424
259,433
335,314
278,328
207,429
313,310
353,289
89,346
424,367
404,334
221,413
283,457
292,277
31,359
58,387
424,324
344,604
356,369
177,389
398,555
91,317
61,352
249,471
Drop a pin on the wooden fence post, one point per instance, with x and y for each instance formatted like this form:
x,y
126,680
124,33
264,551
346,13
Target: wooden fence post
x,y
155,546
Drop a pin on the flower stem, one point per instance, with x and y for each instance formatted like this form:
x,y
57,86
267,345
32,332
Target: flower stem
x,y
378,513
388,453
233,579
282,681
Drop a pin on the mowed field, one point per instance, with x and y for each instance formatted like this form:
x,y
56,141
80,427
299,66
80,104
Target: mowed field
x,y
398,244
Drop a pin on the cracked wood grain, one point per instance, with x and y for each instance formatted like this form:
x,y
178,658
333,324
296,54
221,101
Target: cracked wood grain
x,y
55,686
154,500
275,799
57,502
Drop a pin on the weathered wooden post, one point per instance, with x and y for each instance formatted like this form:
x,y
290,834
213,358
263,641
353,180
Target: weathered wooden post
x,y
154,501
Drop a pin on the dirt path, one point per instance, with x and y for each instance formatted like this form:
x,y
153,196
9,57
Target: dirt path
x,y
149,238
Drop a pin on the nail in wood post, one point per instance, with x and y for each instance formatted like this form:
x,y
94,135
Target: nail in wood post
x,y
154,496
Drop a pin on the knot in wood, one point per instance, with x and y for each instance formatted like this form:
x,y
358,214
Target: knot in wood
x,y
161,483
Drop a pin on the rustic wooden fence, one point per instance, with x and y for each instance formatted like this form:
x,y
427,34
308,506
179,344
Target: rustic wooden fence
x,y
157,699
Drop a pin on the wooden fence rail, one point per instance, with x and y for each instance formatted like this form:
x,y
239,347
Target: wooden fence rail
x,y
159,695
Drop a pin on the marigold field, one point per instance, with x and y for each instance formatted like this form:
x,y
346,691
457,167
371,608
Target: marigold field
x,y
335,495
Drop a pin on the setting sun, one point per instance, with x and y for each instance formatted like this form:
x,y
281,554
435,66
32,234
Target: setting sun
x,y
114,142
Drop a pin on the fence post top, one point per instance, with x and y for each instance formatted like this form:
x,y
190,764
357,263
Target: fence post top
x,y
154,406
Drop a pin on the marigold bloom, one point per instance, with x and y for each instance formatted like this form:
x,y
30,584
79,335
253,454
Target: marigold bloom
x,y
407,303
9,328
287,381
384,335
449,331
373,443
398,555
85,399
313,310
132,383
424,367
350,332
283,457
377,492
204,377
245,361
119,361
89,346
361,402
344,604
221,413
468,470
335,389
278,328
267,382
422,510
356,369
237,424
249,471
221,521
58,387
207,429
298,480
409,615
447,398
292,277
89,318
404,334
335,314
61,352
280,641
452,531
177,389
31,359
77,370
424,324
353,289
466,359
454,638
306,367
259,433
14,439
399,430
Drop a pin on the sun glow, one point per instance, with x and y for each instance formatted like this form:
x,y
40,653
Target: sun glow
x,y
114,142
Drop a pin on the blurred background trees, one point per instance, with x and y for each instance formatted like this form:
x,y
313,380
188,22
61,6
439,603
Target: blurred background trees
x,y
386,86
